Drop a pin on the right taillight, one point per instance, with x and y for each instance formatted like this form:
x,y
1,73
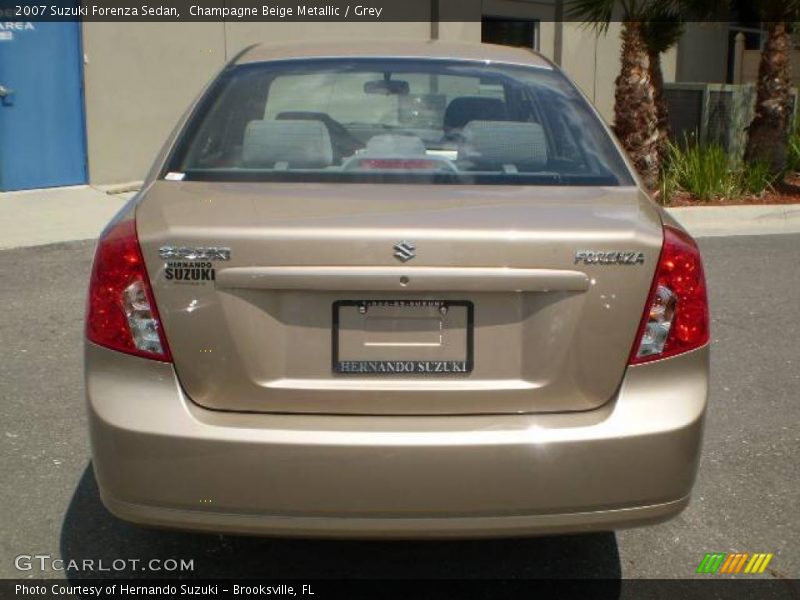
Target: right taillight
x,y
676,317
121,311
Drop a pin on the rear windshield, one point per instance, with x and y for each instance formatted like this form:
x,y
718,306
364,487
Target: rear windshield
x,y
396,120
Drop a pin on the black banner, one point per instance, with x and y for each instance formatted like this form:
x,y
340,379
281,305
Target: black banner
x,y
367,11
370,11
440,589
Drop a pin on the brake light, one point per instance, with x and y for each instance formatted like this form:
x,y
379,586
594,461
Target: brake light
x,y
676,317
121,312
398,163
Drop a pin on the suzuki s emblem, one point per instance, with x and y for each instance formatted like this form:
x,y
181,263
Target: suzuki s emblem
x,y
404,251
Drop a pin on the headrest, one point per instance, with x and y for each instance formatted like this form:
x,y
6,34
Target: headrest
x,y
495,144
299,144
462,110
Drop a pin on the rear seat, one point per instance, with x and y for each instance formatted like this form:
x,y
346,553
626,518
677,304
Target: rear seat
x,y
287,144
504,145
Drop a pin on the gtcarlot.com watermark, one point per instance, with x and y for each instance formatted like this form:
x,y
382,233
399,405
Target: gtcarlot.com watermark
x,y
45,562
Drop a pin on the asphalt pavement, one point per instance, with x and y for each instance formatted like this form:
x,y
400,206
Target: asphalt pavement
x,y
747,498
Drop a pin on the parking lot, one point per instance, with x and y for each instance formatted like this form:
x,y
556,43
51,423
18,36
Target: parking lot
x,y
747,498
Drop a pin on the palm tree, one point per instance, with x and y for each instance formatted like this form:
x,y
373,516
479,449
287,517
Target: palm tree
x,y
635,116
661,34
768,133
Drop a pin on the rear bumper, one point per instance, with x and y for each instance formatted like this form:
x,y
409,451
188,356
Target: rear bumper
x,y
162,460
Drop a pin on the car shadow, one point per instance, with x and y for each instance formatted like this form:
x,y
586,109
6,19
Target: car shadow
x,y
89,531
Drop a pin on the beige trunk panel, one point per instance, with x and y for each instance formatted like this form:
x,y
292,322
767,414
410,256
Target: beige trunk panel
x,y
549,333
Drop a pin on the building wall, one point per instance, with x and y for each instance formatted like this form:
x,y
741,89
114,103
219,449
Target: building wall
x,y
593,63
702,54
139,78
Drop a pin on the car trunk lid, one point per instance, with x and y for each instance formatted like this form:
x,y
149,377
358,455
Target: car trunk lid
x,y
515,299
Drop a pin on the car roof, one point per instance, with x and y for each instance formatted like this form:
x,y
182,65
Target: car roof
x,y
394,49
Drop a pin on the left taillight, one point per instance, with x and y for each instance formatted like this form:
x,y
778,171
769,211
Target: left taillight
x,y
121,310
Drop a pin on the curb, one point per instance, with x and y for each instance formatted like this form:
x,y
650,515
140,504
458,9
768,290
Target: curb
x,y
760,219
55,215
119,188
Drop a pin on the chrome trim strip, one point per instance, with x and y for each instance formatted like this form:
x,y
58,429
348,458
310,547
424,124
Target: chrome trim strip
x,y
434,279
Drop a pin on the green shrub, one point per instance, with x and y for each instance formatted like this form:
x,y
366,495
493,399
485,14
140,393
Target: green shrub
x,y
704,172
756,178
793,153
700,170
666,187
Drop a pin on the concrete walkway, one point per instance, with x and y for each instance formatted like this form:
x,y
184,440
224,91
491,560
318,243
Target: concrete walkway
x,y
48,216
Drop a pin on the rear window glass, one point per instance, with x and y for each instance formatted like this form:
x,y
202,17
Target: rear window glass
x,y
396,120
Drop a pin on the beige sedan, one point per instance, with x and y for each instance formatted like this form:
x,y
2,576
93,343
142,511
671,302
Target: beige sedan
x,y
395,290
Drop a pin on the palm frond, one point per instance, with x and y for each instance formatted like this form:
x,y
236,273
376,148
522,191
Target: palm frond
x,y
662,28
776,10
595,14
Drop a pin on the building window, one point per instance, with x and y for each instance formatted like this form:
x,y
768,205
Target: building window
x,y
509,32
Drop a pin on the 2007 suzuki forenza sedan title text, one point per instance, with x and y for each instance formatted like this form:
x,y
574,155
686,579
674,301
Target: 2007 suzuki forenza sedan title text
x,y
395,290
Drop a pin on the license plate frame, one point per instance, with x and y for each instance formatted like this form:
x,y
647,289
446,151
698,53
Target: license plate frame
x,y
404,368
